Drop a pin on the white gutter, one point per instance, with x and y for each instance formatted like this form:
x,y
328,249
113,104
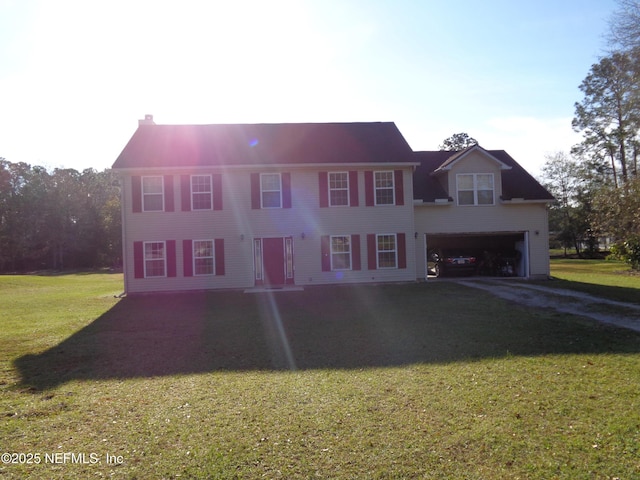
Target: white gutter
x,y
364,166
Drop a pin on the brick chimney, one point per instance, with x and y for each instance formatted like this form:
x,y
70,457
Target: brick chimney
x,y
148,120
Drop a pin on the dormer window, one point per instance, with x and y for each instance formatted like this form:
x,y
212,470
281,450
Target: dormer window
x,y
475,188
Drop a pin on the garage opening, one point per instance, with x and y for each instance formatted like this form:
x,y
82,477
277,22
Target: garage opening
x,y
488,254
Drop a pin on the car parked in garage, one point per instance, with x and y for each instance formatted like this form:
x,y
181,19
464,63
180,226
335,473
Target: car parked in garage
x,y
499,263
443,262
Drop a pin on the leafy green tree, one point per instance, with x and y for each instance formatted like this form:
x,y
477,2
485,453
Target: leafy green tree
x,y
61,219
609,114
22,229
569,215
617,214
457,142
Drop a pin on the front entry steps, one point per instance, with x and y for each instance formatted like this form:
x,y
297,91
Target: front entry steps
x,y
280,288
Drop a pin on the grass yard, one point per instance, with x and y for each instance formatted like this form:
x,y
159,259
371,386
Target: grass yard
x,y
399,381
609,278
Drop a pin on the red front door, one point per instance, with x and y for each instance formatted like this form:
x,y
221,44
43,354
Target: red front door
x,y
274,261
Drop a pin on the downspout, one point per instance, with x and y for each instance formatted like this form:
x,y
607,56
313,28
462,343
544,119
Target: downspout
x,y
527,256
425,249
124,237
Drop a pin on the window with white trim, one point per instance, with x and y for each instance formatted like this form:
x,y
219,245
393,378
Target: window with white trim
x,y
384,188
386,250
338,189
153,194
340,252
475,188
203,257
201,192
155,259
271,190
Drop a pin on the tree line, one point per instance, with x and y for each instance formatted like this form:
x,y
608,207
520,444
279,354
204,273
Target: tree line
x,y
60,219
596,185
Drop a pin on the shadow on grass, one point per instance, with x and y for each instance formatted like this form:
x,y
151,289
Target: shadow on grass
x,y
321,327
620,294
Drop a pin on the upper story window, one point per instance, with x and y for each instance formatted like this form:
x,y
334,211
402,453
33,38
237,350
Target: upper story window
x,y
384,188
154,259
341,252
271,190
201,192
338,189
153,194
475,188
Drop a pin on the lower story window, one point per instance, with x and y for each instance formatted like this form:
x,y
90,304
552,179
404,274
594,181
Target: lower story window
x,y
203,262
154,259
341,252
386,251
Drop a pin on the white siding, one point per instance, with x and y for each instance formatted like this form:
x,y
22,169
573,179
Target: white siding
x,y
238,224
500,218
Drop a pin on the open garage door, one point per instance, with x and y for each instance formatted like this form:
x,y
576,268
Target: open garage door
x,y
503,254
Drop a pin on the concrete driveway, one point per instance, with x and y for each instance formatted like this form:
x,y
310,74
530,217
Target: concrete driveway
x,y
621,314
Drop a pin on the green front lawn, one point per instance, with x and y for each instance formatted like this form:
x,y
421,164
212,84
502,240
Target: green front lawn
x,y
610,278
401,381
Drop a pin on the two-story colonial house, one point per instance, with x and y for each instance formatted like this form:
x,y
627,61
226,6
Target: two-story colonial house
x,y
239,206
275,205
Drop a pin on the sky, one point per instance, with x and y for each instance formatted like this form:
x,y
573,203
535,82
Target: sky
x,y
76,75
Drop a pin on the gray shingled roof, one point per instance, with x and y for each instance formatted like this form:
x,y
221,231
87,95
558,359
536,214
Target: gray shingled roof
x,y
516,182
264,144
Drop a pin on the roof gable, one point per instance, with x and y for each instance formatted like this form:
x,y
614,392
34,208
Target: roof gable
x,y
162,146
516,181
457,157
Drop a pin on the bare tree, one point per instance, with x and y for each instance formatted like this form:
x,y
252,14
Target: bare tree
x,y
624,26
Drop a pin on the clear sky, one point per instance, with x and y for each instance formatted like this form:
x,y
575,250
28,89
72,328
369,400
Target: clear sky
x,y
76,75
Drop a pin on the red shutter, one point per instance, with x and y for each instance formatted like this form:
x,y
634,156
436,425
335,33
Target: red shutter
x,y
185,192
355,252
353,188
372,254
216,181
136,193
286,190
171,258
187,257
323,186
402,250
219,255
399,184
368,189
325,252
168,193
138,259
255,191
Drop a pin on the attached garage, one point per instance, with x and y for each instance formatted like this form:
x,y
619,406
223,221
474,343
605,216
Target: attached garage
x,y
483,204
496,253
